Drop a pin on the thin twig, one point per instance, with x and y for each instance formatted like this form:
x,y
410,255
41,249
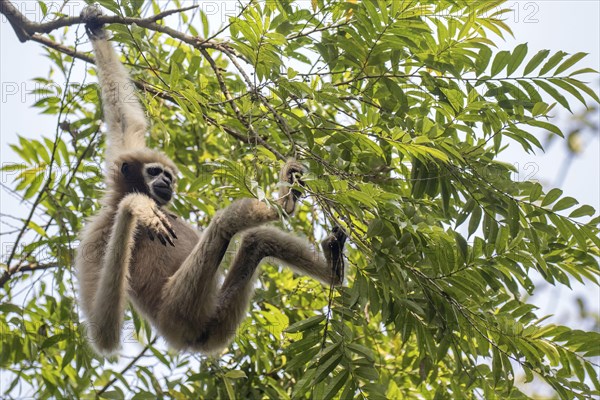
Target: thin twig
x,y
126,368
222,84
280,120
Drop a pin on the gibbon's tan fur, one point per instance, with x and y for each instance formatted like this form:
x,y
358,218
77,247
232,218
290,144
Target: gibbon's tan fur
x,y
174,281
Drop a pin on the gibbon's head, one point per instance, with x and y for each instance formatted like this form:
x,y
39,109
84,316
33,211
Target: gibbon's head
x,y
146,171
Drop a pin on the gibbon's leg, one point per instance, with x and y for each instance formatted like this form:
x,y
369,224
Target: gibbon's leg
x,y
190,294
258,243
106,314
123,113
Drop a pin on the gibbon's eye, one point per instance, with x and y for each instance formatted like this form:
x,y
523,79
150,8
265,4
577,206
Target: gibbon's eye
x,y
169,176
153,171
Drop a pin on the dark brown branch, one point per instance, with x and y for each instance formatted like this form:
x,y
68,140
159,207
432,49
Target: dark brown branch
x,y
25,28
28,30
6,275
62,48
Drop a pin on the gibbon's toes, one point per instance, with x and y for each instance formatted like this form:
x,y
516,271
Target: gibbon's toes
x,y
335,244
339,234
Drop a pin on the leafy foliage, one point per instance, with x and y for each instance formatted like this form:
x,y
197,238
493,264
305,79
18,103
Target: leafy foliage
x,y
401,110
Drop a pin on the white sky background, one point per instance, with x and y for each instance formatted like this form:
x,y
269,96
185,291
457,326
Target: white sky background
x,y
571,26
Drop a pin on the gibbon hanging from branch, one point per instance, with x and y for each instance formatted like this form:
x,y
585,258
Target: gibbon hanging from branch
x,y
136,249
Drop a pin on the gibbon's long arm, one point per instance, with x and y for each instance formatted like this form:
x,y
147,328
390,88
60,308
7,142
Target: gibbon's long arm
x,y
106,315
127,125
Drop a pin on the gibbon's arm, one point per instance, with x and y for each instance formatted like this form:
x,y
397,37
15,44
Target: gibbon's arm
x,y
106,315
127,125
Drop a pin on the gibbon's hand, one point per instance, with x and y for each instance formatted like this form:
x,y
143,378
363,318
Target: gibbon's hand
x,y
149,216
93,27
161,227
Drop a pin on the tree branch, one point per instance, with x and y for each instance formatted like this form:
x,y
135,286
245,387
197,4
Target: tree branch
x,y
254,135
25,28
7,274
62,48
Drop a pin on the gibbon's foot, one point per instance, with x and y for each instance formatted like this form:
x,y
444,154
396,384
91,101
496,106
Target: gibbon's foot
x,y
291,173
93,27
333,247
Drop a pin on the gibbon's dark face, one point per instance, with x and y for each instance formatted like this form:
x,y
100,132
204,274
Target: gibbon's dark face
x,y
153,179
159,180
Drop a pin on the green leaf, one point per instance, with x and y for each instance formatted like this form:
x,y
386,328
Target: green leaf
x,y
516,58
513,218
539,108
570,62
324,369
362,350
548,126
563,84
552,62
500,61
565,202
585,88
551,197
235,374
336,384
368,372
305,324
554,93
474,221
583,211
536,192
483,60
535,61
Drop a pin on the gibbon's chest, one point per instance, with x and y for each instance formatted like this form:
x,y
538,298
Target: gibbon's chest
x,y
153,263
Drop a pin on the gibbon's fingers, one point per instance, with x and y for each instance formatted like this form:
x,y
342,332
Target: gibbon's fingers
x,y
168,239
164,239
150,235
93,27
165,224
171,232
164,230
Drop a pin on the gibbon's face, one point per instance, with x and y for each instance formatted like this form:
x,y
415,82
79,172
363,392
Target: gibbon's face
x,y
153,179
159,180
